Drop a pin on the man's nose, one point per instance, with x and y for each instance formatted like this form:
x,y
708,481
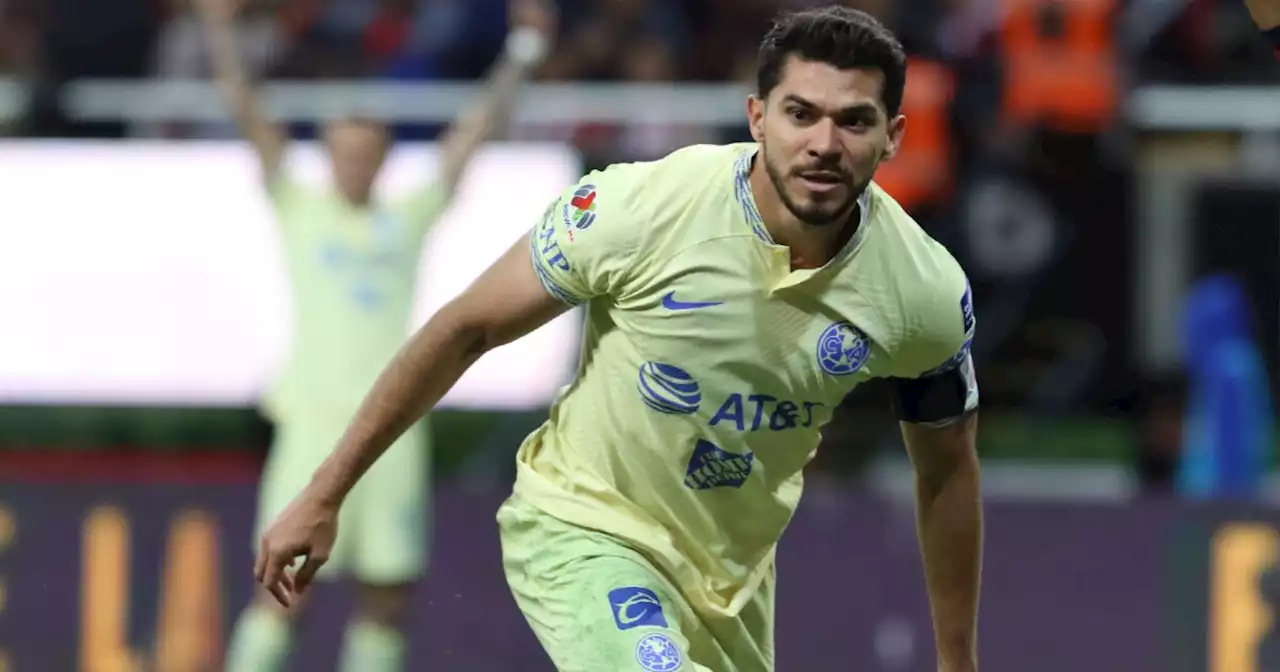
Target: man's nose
x,y
824,140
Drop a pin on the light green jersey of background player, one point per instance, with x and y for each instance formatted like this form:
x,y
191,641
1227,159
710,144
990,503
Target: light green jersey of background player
x,y
352,274
709,365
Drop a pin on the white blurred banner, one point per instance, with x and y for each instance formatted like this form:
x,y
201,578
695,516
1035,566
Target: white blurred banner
x,y
151,273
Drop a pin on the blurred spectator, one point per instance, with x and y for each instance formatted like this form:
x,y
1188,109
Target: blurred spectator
x,y
182,53
387,34
600,38
651,60
19,38
729,35
1230,437
406,39
1159,436
19,55
86,39
1209,41
643,41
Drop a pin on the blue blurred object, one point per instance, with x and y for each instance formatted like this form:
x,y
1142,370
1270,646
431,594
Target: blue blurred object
x,y
1228,435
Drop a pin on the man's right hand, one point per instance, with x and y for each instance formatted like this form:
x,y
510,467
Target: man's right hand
x,y
306,529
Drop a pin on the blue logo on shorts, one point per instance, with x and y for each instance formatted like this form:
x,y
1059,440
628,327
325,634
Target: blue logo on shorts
x,y
842,349
657,653
668,389
634,607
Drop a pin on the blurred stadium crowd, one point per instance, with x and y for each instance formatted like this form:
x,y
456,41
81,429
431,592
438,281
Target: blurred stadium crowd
x,y
1107,171
1017,108
49,42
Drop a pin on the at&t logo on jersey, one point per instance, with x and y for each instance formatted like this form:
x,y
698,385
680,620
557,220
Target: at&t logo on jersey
x,y
634,607
580,211
843,349
711,467
657,653
668,389
754,412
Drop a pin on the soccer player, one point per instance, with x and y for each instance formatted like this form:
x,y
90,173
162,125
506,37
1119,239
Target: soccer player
x,y
1266,13
353,263
733,295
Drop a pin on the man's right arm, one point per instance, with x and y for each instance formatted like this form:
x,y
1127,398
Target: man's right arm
x,y
267,138
583,247
586,246
503,304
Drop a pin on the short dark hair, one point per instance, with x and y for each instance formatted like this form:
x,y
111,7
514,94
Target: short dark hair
x,y
838,36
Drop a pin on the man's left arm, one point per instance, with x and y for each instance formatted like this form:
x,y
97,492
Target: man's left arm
x,y
936,399
949,524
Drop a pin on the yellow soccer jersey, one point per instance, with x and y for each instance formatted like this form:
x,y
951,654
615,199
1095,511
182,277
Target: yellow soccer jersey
x,y
708,365
352,272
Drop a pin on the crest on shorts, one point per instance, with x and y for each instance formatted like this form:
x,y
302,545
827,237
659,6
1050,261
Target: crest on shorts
x,y
658,653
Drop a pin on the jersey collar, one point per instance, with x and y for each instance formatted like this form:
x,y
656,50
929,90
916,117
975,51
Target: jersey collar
x,y
742,191
747,200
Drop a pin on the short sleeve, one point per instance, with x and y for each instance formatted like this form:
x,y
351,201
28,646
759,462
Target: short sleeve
x,y
586,243
934,379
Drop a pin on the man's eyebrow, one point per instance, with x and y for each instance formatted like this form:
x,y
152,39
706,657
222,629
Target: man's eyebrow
x,y
855,110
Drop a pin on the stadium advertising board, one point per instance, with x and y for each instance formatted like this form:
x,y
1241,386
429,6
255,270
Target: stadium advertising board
x,y
135,575
151,273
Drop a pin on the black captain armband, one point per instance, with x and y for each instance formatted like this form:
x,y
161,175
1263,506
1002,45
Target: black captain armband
x,y
937,397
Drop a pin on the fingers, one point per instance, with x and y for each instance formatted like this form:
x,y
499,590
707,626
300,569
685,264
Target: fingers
x,y
282,596
276,562
302,580
276,578
270,570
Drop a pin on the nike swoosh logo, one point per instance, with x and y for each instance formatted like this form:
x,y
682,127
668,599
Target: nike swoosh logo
x,y
670,303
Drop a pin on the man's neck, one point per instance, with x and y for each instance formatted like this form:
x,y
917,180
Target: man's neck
x,y
811,246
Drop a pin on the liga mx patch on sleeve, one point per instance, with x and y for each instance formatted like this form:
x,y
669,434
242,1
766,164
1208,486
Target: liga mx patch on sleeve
x,y
580,211
635,607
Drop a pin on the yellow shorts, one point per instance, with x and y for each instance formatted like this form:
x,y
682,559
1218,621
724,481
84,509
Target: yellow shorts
x,y
596,604
383,530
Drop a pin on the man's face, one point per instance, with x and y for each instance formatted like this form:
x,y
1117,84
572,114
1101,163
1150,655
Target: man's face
x,y
356,150
823,131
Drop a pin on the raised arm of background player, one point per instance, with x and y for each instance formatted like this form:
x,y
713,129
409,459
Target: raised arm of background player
x,y
1266,13
534,25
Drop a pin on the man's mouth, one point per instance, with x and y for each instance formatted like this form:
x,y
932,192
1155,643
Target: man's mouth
x,y
821,180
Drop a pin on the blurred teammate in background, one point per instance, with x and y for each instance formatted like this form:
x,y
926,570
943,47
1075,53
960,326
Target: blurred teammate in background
x,y
734,295
353,264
